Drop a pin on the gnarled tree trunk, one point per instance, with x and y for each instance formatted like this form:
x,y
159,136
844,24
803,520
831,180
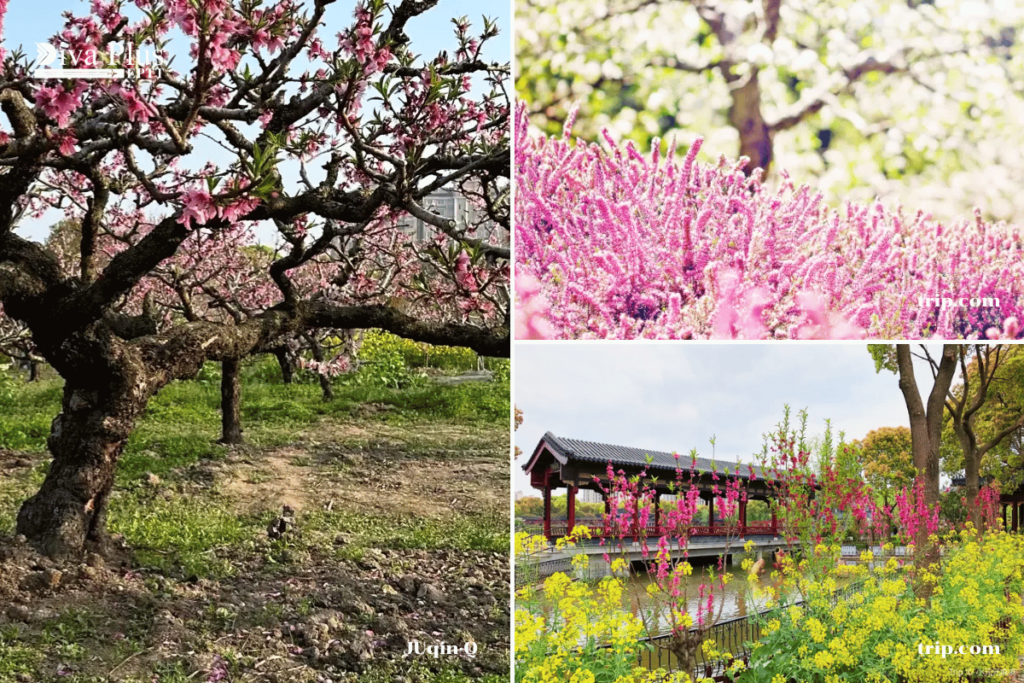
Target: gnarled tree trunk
x,y
86,440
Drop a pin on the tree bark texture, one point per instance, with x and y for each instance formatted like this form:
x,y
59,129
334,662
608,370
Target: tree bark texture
x,y
86,440
926,437
231,402
284,359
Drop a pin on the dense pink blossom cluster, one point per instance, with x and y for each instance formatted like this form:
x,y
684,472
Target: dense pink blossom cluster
x,y
220,272
531,310
627,245
913,511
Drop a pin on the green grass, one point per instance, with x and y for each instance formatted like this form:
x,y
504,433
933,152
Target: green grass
x,y
488,534
473,532
15,658
14,490
25,421
181,424
181,535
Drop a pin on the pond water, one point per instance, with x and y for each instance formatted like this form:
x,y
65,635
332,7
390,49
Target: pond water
x,y
730,600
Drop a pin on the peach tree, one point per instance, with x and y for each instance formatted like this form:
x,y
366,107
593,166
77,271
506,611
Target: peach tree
x,y
326,140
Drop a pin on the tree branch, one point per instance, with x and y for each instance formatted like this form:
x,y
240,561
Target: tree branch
x,y
813,103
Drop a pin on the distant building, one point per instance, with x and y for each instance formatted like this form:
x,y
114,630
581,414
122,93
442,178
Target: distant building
x,y
453,205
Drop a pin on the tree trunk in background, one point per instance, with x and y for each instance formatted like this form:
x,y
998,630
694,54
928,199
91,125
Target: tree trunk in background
x,y
230,402
972,463
33,371
287,367
86,440
318,356
746,117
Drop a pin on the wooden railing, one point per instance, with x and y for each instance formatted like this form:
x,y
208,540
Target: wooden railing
x,y
560,528
730,635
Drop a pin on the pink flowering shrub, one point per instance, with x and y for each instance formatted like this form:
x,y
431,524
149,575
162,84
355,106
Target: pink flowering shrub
x,y
531,310
686,613
627,245
913,511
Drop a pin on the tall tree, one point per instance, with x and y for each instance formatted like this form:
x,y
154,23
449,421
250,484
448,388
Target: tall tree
x,y
991,376
128,159
925,428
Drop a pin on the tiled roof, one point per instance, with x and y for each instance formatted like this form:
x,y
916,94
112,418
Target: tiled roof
x,y
576,449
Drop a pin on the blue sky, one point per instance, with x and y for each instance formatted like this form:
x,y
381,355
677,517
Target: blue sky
x,y
676,396
27,23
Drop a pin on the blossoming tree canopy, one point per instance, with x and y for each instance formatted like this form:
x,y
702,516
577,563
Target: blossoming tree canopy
x,y
612,243
328,140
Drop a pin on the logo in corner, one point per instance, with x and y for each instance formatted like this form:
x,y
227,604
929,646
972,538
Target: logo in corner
x,y
45,54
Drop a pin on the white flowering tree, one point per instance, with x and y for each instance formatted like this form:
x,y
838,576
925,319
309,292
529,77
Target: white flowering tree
x,y
904,100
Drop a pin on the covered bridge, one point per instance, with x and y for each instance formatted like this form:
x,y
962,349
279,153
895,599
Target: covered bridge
x,y
560,462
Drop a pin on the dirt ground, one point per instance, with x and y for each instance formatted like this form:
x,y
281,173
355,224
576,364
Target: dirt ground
x,y
328,601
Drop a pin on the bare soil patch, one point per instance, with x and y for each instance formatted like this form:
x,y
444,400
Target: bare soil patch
x,y
331,600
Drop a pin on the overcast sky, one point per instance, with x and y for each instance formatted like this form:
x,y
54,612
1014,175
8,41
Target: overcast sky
x,y
676,396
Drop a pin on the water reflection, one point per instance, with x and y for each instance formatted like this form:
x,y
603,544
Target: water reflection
x,y
731,599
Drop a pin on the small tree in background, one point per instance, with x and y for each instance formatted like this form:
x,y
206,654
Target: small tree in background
x,y
984,410
888,464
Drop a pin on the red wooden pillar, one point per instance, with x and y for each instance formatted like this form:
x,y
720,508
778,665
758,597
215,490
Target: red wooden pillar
x,y
775,523
636,518
607,514
657,513
570,508
547,509
743,517
711,513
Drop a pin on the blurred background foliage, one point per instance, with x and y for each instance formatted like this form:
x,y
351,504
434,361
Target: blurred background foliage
x,y
914,102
